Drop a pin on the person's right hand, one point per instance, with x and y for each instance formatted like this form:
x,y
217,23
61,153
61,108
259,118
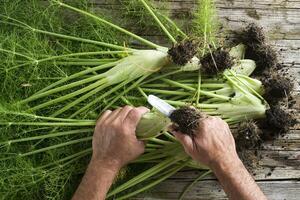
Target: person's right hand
x,y
213,142
114,139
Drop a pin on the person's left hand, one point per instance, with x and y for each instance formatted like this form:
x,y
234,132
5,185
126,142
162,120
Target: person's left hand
x,y
114,142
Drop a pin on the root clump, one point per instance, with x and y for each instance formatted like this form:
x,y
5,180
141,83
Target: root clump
x,y
183,52
216,62
258,49
279,119
277,86
248,135
187,119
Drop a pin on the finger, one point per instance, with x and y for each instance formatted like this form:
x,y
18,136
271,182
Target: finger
x,y
103,116
124,112
142,143
184,139
141,147
133,117
173,128
113,115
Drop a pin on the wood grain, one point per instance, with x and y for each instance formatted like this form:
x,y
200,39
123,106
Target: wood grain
x,y
278,173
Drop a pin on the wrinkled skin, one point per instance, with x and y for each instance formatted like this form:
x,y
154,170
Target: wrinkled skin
x,y
114,138
212,143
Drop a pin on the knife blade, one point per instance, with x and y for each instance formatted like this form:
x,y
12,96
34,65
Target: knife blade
x,y
161,105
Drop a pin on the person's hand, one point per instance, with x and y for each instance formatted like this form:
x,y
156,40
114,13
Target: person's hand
x,y
114,141
213,142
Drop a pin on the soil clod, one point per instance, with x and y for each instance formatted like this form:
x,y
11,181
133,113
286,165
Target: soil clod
x,y
248,135
277,86
183,52
264,56
216,62
253,35
279,119
187,119
258,50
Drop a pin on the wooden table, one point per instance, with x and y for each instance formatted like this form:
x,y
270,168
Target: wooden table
x,y
279,171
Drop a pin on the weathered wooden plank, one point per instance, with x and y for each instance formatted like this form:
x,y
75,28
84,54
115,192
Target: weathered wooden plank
x,y
270,14
279,165
280,18
278,173
210,189
290,142
263,173
266,4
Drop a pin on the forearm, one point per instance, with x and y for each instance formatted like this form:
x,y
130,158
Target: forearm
x,y
236,180
96,181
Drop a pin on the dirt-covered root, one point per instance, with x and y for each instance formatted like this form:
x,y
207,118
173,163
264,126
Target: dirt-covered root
x,y
264,56
258,49
277,86
252,35
216,62
279,119
248,135
181,53
187,119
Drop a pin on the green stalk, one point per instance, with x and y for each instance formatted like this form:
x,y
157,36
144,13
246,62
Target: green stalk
x,y
159,141
170,137
37,62
113,46
86,59
158,21
168,174
193,183
99,83
165,91
142,92
209,94
73,76
153,157
198,88
174,150
173,24
84,63
39,117
134,85
80,99
213,85
21,24
153,145
157,77
249,88
247,94
56,146
52,135
16,53
48,148
144,176
79,123
26,26
87,106
201,106
81,153
151,44
64,56
62,88
203,85
126,101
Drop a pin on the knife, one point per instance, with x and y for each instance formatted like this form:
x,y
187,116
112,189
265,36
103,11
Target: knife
x,y
161,105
